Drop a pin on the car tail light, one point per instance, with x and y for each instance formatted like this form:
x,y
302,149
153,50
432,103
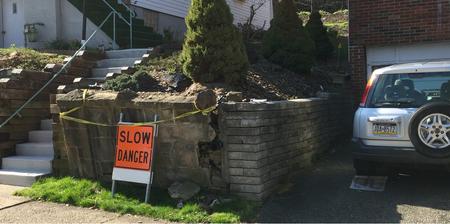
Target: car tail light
x,y
367,90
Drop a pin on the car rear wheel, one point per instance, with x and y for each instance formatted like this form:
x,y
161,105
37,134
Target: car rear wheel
x,y
429,130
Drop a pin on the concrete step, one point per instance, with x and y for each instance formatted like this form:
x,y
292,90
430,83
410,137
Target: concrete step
x,y
20,177
88,83
40,136
85,82
38,164
102,72
47,124
127,53
117,62
35,149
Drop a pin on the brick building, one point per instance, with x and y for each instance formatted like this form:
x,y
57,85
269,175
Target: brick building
x,y
386,32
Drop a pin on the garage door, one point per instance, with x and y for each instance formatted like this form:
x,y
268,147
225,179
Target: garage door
x,y
388,55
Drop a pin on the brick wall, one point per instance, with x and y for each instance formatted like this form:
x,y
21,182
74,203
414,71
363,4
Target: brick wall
x,y
393,22
358,68
386,22
266,142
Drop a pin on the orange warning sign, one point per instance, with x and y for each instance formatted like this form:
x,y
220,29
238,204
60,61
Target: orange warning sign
x,y
134,147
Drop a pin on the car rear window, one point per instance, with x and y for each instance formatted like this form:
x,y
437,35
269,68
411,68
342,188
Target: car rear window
x,y
410,90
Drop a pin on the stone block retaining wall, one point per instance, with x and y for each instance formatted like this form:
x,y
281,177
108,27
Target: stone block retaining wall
x,y
265,142
88,150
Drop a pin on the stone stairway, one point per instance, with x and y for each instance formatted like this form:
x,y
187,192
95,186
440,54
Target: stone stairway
x,y
116,62
33,159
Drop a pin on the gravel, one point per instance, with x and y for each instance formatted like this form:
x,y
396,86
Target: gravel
x,y
322,194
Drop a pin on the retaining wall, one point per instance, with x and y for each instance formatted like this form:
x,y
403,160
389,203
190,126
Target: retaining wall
x,y
265,142
15,89
18,85
244,148
88,150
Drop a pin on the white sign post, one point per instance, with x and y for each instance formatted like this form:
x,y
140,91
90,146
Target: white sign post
x,y
134,155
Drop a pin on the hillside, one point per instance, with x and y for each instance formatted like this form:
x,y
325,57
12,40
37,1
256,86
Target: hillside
x,y
27,59
326,5
337,21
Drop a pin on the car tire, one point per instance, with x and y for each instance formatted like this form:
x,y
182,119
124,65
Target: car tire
x,y
421,114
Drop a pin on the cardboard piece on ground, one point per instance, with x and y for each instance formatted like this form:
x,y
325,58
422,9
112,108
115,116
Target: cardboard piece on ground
x,y
369,183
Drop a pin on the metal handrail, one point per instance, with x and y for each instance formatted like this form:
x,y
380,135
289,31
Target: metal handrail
x,y
63,68
129,23
126,6
116,12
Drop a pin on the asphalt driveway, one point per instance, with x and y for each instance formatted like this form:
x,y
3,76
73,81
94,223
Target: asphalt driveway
x,y
322,194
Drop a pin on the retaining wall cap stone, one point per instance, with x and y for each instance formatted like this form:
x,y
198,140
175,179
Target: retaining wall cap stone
x,y
142,98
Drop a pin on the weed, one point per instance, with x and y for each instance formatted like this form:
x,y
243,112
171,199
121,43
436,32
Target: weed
x,y
28,59
86,193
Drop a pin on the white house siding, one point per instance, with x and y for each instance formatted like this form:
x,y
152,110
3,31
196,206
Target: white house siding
x,y
61,21
177,8
1,24
239,8
241,12
46,12
72,23
30,11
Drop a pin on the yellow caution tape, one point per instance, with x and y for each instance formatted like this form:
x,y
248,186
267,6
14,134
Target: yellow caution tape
x,y
64,115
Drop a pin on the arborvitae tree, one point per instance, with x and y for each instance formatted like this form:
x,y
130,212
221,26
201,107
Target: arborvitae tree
x,y
287,43
213,50
318,32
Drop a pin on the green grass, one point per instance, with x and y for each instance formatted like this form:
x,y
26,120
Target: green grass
x,y
166,63
86,193
28,59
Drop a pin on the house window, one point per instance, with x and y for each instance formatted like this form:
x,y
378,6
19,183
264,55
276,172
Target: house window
x,y
14,9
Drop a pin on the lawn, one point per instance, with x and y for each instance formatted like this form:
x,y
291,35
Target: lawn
x,y
90,194
28,59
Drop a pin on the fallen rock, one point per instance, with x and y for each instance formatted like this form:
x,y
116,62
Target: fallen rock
x,y
183,190
126,94
177,81
5,72
234,97
206,99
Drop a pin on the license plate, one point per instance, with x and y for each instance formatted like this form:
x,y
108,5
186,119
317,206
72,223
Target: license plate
x,y
384,129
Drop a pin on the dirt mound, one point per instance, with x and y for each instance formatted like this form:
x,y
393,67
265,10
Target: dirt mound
x,y
264,81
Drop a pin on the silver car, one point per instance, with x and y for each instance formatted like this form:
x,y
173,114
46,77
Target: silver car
x,y
404,118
